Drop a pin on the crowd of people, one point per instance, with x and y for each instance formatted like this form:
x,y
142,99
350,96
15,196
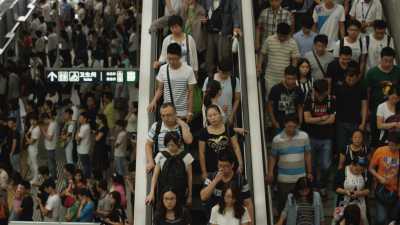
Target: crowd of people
x,y
330,88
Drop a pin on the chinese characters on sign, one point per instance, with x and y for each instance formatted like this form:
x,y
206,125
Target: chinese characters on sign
x,y
92,75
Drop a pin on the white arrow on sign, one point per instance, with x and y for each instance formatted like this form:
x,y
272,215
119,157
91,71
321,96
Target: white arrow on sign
x,y
52,76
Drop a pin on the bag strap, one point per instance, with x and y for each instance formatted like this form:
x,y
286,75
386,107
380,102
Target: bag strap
x,y
157,133
361,49
341,43
188,50
319,64
389,38
170,86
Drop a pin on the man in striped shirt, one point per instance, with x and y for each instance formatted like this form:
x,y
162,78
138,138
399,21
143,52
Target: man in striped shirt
x,y
291,152
280,50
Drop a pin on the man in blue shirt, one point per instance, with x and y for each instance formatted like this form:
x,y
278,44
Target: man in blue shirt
x,y
305,37
86,207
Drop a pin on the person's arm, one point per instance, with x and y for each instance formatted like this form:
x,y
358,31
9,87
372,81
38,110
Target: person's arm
x,y
300,113
258,38
99,135
364,112
384,126
189,173
236,148
13,146
207,192
342,31
190,102
248,203
271,166
186,134
202,159
270,110
372,169
156,98
149,156
330,119
363,64
308,159
151,196
342,160
47,136
260,60
42,208
308,118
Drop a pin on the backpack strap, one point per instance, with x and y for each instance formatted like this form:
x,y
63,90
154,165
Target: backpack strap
x,y
389,38
157,133
367,40
188,50
361,49
341,43
166,154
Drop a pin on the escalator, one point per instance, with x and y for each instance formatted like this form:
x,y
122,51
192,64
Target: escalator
x,y
391,12
253,144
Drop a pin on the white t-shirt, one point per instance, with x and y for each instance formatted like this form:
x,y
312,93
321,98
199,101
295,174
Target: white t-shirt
x,y
51,131
35,135
374,50
180,81
384,112
53,204
355,48
122,140
228,218
175,5
227,94
161,159
368,12
84,144
327,21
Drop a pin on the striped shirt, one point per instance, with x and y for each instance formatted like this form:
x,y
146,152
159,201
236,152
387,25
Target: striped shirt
x,y
180,81
269,20
279,55
163,131
291,164
305,87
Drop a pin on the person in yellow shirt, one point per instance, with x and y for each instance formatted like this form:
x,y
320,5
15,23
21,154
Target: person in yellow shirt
x,y
108,110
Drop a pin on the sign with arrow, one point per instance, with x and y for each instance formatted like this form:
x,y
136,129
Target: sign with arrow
x,y
92,75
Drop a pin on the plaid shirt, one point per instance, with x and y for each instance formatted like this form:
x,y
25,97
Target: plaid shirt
x,y
269,20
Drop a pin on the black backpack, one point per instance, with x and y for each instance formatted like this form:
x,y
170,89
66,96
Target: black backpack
x,y
214,24
173,174
157,133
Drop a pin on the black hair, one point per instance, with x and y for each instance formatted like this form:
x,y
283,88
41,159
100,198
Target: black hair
x,y
69,111
12,119
168,104
103,119
213,88
299,63
301,184
103,185
32,116
162,211
291,118
291,71
44,170
107,95
353,69
388,51
116,178
121,123
380,24
352,215
85,115
225,65
283,29
227,156
307,22
321,38
345,50
321,86
25,184
84,192
355,23
238,209
172,136
49,183
117,196
174,49
70,168
175,20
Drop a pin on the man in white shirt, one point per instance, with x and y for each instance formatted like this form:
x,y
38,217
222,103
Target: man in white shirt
x,y
32,139
50,141
82,138
356,43
120,151
329,19
67,135
366,11
176,81
375,42
51,209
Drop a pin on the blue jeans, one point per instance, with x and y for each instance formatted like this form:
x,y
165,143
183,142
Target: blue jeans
x,y
385,213
15,162
120,163
85,161
51,162
321,150
343,134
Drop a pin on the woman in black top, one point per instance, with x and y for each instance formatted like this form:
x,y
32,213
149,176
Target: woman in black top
x,y
169,211
100,155
117,215
304,79
357,148
214,139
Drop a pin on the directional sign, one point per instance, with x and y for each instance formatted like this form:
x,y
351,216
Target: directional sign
x,y
92,75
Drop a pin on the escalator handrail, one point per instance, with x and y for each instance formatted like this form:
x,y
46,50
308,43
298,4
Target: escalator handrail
x,y
255,126
146,90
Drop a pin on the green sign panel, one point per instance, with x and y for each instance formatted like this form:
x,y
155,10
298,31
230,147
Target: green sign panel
x,y
92,75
